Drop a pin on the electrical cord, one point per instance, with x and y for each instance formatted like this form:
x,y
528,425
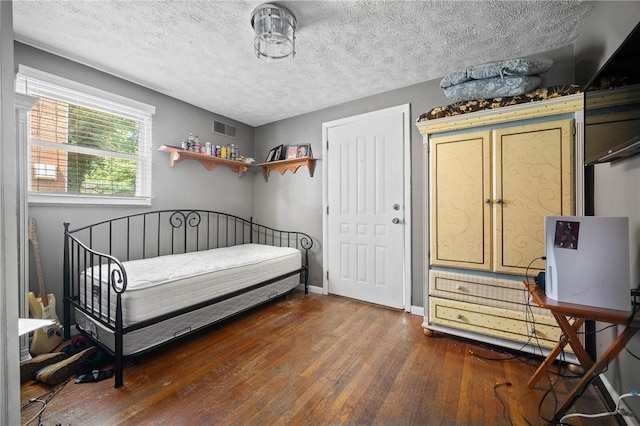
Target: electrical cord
x,y
549,391
606,368
632,354
529,315
575,397
608,413
561,361
509,356
633,393
634,304
529,320
44,400
586,333
39,413
505,407
584,388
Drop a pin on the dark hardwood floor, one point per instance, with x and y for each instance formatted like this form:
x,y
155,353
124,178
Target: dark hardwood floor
x,y
316,360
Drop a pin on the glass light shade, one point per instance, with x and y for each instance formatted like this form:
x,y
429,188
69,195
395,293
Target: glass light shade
x,y
275,28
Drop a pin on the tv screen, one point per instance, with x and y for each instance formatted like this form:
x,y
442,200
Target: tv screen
x,y
612,105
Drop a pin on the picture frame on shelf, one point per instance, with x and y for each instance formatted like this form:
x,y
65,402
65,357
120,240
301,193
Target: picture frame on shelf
x,y
292,151
270,156
303,150
279,153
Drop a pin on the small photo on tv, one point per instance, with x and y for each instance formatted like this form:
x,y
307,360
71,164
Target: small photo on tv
x,y
566,234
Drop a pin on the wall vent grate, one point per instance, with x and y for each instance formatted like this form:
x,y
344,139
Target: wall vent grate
x,y
224,129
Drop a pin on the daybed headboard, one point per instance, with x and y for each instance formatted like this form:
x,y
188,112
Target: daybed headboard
x,y
161,232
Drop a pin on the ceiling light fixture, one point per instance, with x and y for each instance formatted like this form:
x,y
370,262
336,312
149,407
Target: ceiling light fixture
x,y
275,31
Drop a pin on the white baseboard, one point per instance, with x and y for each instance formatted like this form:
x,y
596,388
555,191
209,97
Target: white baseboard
x,y
417,310
631,419
312,289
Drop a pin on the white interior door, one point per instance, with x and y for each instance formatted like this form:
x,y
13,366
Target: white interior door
x,y
365,197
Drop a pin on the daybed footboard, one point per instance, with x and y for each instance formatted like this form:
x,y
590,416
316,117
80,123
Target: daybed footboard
x,y
96,259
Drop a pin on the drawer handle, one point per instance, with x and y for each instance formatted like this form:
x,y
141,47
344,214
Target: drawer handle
x,y
461,288
458,316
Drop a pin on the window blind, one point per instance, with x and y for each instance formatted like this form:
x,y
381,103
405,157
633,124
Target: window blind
x,y
86,145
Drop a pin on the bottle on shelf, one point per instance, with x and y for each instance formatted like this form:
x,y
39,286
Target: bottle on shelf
x,y
190,142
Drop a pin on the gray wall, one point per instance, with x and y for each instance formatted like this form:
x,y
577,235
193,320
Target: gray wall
x,y
298,198
187,185
289,201
616,185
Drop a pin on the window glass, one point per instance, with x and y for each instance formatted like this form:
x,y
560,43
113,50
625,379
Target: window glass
x,y
86,145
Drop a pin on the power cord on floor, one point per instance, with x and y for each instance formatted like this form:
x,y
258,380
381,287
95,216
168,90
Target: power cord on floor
x,y
605,414
39,413
44,400
505,407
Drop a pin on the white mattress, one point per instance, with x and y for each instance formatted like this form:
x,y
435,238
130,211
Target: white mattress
x,y
148,337
164,284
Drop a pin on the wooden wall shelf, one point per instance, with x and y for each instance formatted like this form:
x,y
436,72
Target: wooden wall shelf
x,y
176,155
292,165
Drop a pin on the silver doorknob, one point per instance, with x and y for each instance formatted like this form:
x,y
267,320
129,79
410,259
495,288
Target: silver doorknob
x,y
395,220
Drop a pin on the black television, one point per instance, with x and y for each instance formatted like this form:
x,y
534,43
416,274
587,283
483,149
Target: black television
x,y
612,105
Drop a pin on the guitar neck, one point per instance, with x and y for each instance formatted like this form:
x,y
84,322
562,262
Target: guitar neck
x,y
41,287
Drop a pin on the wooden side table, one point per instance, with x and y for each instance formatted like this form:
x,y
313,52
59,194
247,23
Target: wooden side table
x,y
562,312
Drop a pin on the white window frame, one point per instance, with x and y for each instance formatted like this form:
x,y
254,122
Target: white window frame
x,y
80,94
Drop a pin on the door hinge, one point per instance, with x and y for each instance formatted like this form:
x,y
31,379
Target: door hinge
x,y
327,275
327,209
574,130
327,144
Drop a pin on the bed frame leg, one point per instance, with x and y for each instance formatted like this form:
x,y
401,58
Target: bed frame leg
x,y
119,380
306,279
118,373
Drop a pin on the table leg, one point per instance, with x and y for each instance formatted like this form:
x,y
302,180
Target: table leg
x,y
564,339
570,332
598,367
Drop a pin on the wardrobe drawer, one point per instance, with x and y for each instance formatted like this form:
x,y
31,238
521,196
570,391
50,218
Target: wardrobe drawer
x,y
483,290
496,322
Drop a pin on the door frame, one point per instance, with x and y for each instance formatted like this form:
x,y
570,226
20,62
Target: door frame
x,y
407,263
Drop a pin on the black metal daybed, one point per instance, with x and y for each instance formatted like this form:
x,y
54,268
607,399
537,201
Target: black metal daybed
x,y
138,281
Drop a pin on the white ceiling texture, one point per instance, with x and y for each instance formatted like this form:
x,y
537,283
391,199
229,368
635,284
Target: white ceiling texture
x,y
201,52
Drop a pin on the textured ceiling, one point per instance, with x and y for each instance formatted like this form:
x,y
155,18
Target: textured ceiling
x,y
201,52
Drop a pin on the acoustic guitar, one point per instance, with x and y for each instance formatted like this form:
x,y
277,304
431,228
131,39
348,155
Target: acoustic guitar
x,y
45,339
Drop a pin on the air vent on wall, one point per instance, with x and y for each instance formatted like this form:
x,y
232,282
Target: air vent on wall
x,y
224,129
